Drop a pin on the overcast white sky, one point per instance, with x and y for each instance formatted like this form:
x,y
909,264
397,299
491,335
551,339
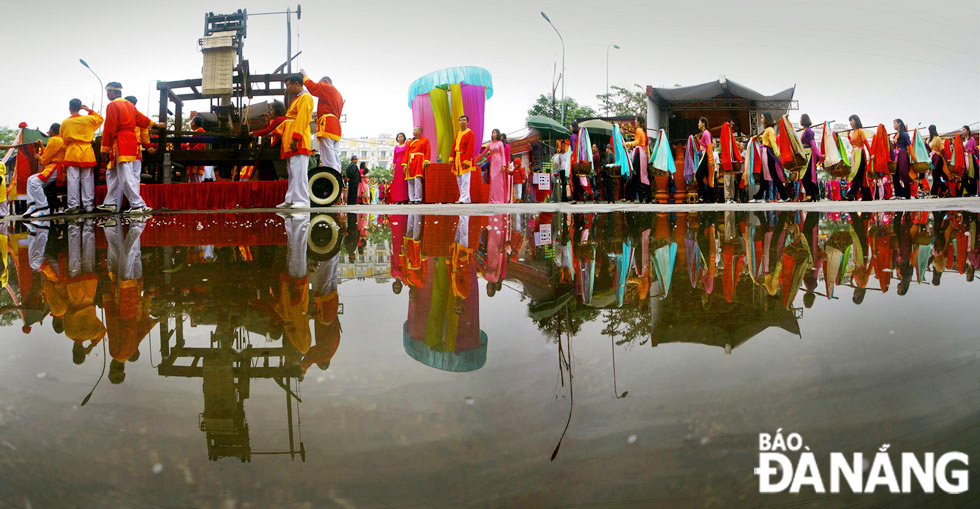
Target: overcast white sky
x,y
918,60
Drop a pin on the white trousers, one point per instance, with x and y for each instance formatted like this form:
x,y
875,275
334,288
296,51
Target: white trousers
x,y
123,257
329,156
296,240
81,184
463,181
124,180
35,192
325,276
414,229
299,182
519,192
463,230
415,189
81,249
35,248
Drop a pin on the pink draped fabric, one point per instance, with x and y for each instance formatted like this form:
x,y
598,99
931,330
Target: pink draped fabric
x,y
422,115
474,103
399,188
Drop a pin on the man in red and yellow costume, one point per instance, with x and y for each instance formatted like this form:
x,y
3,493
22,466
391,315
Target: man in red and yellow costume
x,y
127,308
416,159
329,107
461,159
120,142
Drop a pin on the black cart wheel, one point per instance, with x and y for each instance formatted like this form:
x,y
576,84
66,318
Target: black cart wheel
x,y
325,186
323,238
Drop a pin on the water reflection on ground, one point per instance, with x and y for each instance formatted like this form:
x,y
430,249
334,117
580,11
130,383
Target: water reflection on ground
x,y
625,358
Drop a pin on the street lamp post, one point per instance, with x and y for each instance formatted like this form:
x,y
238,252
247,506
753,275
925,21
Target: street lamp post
x,y
560,38
607,75
101,87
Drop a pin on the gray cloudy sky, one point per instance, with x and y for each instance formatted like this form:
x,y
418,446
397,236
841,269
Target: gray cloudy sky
x,y
918,60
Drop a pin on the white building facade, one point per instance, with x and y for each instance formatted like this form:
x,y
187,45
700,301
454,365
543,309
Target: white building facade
x,y
377,151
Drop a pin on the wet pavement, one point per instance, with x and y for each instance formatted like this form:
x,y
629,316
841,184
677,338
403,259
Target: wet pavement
x,y
523,359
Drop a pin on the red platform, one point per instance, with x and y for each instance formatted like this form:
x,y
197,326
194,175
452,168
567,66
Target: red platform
x,y
210,195
441,187
218,230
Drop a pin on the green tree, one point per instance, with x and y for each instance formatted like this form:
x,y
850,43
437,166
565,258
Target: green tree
x,y
382,172
623,102
7,135
547,106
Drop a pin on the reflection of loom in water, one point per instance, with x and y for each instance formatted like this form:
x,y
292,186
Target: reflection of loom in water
x,y
231,295
227,367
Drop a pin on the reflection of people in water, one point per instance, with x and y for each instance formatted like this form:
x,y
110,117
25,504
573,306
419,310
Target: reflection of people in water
x,y
326,325
398,227
294,289
81,320
495,268
859,253
412,262
811,230
460,264
127,308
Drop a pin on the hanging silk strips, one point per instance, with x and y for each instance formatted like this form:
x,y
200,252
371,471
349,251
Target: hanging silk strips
x,y
583,152
663,263
663,159
439,98
422,115
691,157
880,156
474,106
834,160
921,162
456,108
444,123
959,158
619,150
791,152
731,159
753,161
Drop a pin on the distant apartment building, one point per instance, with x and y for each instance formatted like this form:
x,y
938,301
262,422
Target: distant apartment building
x,y
374,263
377,151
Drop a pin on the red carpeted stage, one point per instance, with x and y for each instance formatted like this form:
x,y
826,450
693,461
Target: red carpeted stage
x,y
440,187
210,195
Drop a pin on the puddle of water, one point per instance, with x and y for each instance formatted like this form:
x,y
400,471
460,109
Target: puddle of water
x,y
622,358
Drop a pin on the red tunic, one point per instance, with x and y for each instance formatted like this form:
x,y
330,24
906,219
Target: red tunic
x,y
416,157
462,156
119,132
329,106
